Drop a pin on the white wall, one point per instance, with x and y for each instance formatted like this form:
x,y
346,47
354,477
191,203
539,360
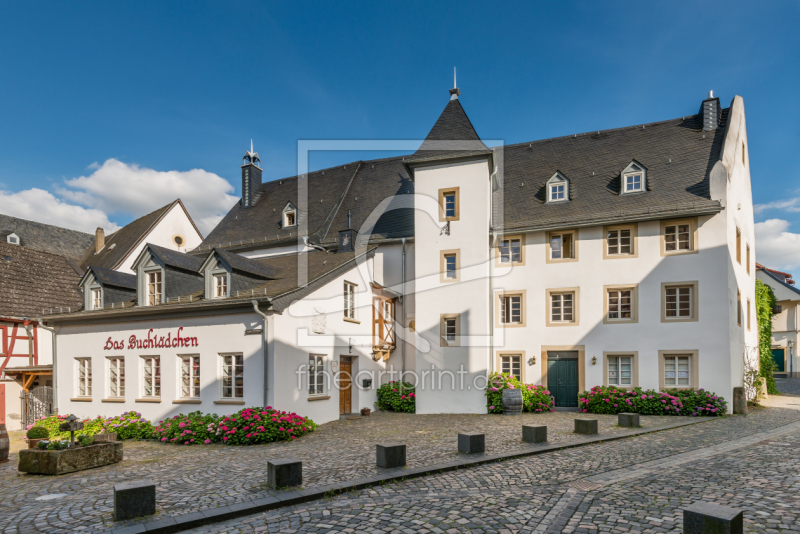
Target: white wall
x,y
174,222
469,234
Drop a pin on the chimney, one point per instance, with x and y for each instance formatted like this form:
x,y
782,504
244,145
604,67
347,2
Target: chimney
x,y
710,110
99,240
251,177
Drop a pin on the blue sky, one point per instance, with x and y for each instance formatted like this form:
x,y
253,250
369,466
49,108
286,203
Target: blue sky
x,y
106,107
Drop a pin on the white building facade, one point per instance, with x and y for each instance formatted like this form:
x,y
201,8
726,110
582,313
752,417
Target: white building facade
x,y
624,257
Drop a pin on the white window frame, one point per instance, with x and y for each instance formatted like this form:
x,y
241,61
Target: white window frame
x,y
562,314
349,295
153,365
615,298
617,238
316,375
512,303
451,271
507,361
678,241
507,250
230,365
96,298
559,237
675,360
557,188
290,211
220,283
83,384
192,363
115,383
615,366
154,285
12,239
679,292
450,204
451,329
633,170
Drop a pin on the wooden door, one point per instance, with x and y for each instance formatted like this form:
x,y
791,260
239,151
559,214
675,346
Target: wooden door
x,y
345,387
779,357
562,380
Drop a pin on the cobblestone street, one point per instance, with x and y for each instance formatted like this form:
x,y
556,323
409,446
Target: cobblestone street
x,y
636,485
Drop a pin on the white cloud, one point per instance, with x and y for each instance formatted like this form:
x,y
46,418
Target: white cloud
x,y
121,188
791,204
41,206
776,247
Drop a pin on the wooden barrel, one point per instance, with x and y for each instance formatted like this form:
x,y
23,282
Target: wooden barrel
x,y
512,401
5,444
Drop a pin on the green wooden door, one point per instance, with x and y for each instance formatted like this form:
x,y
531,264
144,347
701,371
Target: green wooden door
x,y
562,380
779,357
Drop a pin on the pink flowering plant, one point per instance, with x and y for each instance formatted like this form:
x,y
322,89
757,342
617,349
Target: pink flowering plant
x,y
249,426
614,400
397,397
535,399
129,425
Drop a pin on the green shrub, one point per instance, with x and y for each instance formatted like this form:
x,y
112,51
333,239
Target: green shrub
x,y
614,400
535,399
246,427
90,426
85,440
38,432
397,397
130,425
43,444
57,445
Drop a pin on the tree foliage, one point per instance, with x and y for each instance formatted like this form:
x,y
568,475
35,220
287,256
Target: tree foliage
x,y
765,302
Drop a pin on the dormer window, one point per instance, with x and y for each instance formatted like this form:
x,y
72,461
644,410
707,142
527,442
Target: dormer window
x,y
557,188
153,288
633,178
97,299
13,239
289,215
220,286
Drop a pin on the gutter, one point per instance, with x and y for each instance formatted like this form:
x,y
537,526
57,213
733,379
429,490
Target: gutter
x,y
266,350
55,365
403,298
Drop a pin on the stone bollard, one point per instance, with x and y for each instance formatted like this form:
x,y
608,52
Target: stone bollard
x,y
739,401
471,442
628,420
284,473
586,426
132,499
534,434
391,454
703,517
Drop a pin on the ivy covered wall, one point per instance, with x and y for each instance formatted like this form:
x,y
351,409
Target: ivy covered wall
x,y
765,302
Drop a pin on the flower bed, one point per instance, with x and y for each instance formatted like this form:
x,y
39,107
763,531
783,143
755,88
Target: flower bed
x,y
535,399
397,397
613,400
246,427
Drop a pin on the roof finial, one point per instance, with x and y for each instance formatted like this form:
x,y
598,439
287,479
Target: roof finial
x,y
251,157
454,92
711,94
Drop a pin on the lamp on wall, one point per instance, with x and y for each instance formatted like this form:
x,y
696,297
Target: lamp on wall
x,y
532,360
594,360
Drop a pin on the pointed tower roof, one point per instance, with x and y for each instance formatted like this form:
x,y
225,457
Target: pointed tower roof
x,y
452,135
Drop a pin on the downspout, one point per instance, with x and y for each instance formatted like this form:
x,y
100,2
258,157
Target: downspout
x,y
55,365
405,330
493,236
266,351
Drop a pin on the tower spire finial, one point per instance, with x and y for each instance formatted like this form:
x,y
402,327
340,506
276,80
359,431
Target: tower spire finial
x,y
454,92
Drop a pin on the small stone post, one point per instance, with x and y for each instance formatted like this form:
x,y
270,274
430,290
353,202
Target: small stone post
x,y
135,498
284,473
390,455
534,434
703,517
739,401
586,426
471,442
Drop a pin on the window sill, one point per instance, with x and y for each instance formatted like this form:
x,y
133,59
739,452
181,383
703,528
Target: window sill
x,y
319,397
351,320
81,399
149,399
510,325
187,401
229,401
113,399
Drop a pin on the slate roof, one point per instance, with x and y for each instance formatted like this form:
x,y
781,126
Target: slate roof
x,y
31,280
107,277
261,223
46,237
122,242
240,263
452,134
678,157
778,281
177,259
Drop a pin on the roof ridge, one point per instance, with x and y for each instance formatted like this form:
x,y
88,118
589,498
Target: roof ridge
x,y
45,224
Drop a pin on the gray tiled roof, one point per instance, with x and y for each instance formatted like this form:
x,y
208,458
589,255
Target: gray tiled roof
x,y
31,280
240,263
452,134
177,259
114,278
46,237
779,281
122,242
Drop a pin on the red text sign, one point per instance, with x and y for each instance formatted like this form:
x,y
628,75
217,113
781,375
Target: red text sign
x,y
152,342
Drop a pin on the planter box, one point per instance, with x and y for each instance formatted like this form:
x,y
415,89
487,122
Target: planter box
x,y
69,460
32,442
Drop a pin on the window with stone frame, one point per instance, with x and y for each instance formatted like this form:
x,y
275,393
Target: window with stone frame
x,y
116,377
678,237
619,241
316,374
511,364
677,371
190,376
232,376
511,250
679,302
562,307
511,309
349,295
620,370
562,246
83,378
620,304
151,376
